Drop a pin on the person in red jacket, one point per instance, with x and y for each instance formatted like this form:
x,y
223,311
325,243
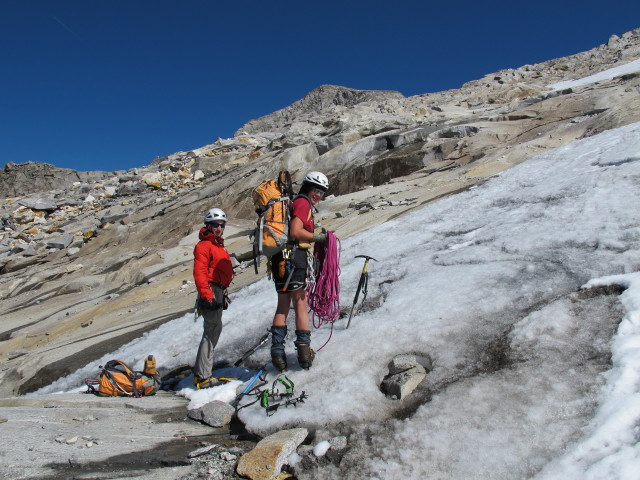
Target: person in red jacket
x,y
212,273
290,273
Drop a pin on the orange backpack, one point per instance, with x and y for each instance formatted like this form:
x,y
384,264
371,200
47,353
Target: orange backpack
x,y
271,200
117,379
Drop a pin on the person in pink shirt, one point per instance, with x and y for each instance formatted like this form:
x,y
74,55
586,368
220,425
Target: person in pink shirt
x,y
290,269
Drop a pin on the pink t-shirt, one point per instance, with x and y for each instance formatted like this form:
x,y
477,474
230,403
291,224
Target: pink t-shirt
x,y
301,208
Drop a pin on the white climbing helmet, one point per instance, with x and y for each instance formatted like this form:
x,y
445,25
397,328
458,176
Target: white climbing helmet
x,y
318,179
215,214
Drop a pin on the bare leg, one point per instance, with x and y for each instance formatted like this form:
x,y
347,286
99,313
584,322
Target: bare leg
x,y
299,299
282,310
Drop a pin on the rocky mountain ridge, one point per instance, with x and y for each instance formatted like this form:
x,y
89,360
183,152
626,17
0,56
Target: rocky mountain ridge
x,y
101,258
19,179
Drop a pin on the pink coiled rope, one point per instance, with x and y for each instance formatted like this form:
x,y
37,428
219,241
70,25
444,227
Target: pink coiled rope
x,y
324,296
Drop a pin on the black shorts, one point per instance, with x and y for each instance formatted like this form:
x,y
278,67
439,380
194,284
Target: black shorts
x,y
281,269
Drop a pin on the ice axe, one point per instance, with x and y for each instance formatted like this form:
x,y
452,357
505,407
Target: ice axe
x,y
255,347
362,284
196,313
249,386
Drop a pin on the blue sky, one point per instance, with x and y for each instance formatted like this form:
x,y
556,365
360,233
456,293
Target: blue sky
x,y
112,85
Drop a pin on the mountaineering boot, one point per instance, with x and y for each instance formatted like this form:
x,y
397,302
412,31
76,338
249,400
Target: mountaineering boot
x,y
305,356
305,352
278,356
200,383
279,361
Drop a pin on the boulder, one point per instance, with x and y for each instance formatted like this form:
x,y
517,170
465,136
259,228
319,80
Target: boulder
x,y
61,242
406,371
215,414
153,179
405,361
131,188
46,204
266,460
27,250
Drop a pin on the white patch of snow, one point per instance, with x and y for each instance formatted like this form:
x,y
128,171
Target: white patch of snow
x,y
630,67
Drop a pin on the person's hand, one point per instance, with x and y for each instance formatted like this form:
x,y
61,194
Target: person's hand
x,y
208,304
320,237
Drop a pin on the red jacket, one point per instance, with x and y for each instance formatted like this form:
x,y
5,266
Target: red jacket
x,y
211,263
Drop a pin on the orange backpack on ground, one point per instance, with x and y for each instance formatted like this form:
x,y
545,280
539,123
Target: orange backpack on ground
x,y
117,379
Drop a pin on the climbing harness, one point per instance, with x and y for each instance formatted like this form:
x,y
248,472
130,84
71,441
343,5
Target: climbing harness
x,y
323,297
287,265
363,284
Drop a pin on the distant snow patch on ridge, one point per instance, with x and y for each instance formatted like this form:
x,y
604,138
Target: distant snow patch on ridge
x,y
630,67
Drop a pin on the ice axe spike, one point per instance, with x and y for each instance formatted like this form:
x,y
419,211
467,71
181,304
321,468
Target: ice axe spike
x,y
362,284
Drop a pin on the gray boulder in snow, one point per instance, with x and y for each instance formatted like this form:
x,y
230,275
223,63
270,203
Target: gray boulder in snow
x,y
215,414
406,371
406,361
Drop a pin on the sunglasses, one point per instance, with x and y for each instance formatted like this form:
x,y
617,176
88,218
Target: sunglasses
x,y
318,191
216,224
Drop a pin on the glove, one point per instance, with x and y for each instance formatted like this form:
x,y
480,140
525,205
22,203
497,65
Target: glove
x,y
320,237
206,304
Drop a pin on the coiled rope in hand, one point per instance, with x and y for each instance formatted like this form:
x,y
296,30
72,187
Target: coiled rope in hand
x,y
324,296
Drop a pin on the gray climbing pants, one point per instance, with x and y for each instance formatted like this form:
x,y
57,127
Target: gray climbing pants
x,y
210,336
